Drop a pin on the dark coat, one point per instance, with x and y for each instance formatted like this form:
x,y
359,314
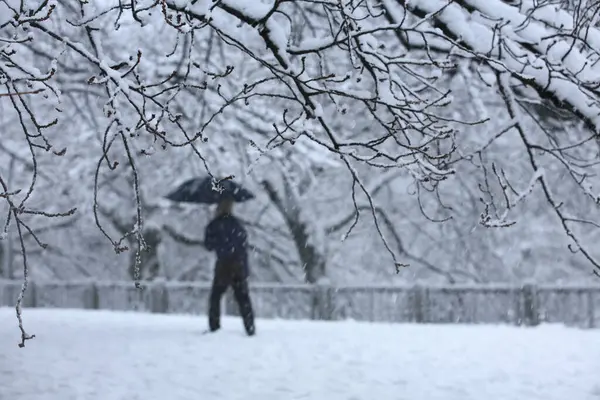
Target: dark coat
x,y
226,236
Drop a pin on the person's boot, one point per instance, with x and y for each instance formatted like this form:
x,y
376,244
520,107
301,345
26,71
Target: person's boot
x,y
214,324
249,326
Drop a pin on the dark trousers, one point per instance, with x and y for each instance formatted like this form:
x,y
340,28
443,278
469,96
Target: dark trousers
x,y
230,274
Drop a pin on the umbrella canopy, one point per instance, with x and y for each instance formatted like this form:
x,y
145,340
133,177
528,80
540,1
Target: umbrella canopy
x,y
202,190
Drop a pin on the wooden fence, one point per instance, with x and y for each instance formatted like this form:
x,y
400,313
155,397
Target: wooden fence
x,y
519,305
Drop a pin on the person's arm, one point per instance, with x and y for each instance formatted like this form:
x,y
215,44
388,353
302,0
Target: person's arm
x,y
181,238
210,237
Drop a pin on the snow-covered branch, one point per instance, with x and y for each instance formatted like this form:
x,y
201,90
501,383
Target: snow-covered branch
x,y
557,60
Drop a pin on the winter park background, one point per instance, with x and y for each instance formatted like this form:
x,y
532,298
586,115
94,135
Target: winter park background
x,y
413,161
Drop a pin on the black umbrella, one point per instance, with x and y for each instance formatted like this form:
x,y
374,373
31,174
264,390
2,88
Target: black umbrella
x,y
202,190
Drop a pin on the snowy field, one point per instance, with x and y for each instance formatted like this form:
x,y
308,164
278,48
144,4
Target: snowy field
x,y
87,355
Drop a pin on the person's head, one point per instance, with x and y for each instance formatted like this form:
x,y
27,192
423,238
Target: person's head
x,y
225,206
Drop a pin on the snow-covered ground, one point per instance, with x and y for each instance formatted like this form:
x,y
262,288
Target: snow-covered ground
x,y
86,355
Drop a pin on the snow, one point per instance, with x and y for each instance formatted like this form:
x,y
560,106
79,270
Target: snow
x,y
116,77
559,18
252,9
279,36
312,44
181,4
119,355
480,38
557,51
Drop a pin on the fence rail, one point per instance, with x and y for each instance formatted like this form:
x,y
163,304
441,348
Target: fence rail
x,y
518,305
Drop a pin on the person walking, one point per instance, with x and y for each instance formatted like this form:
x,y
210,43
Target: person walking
x,y
226,236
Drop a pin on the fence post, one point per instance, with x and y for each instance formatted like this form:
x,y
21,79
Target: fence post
x,y
323,301
418,304
591,312
92,301
530,313
4,301
158,297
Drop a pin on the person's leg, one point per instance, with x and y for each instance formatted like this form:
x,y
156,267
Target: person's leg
x,y
242,297
219,286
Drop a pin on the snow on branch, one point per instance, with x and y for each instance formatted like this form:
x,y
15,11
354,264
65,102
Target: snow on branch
x,y
559,62
409,132
541,53
18,79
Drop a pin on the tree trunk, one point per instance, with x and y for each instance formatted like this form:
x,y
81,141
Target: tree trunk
x,y
313,262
